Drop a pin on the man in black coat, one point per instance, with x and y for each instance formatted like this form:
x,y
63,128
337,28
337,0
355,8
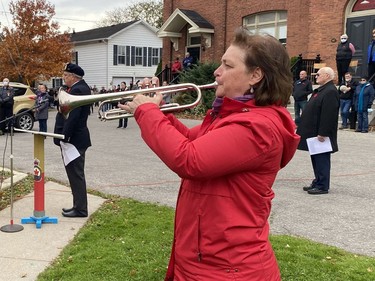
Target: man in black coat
x,y
76,133
320,119
6,105
302,88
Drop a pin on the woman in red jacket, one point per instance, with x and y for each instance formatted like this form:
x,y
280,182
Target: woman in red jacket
x,y
227,164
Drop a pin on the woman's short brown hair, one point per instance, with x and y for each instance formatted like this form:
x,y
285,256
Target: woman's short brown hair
x,y
267,53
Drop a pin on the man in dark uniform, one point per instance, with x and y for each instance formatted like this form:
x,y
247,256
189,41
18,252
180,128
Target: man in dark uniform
x,y
76,133
6,105
320,119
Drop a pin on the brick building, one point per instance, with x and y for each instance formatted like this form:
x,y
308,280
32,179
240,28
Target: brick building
x,y
311,27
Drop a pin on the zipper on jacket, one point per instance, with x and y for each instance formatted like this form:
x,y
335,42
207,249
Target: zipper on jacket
x,y
199,254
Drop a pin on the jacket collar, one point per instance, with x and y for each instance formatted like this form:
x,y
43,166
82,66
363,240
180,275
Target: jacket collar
x,y
230,106
321,88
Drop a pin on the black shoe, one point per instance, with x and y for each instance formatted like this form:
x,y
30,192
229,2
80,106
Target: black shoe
x,y
358,131
67,210
74,214
307,188
316,191
364,131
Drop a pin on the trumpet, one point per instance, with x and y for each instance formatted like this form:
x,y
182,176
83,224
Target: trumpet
x,y
69,102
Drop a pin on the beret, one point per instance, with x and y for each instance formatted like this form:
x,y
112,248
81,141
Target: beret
x,y
74,68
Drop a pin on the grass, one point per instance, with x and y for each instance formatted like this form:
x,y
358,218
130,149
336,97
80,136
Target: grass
x,y
130,240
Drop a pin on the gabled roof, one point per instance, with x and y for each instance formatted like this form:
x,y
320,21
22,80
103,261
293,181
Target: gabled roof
x,y
179,18
107,32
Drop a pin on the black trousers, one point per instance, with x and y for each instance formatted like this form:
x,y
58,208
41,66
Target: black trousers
x,y
123,122
322,170
76,175
342,68
352,119
371,71
5,112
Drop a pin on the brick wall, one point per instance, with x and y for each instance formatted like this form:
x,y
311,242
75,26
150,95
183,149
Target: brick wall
x,y
313,26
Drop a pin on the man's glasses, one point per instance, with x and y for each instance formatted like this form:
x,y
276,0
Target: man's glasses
x,y
363,80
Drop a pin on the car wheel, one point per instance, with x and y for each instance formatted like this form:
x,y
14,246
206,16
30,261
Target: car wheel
x,y
25,121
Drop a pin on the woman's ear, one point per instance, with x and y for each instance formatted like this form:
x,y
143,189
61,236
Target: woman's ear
x,y
256,75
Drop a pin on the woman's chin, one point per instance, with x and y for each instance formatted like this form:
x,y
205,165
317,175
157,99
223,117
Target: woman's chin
x,y
219,94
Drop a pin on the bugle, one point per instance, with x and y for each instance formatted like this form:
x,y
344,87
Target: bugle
x,y
69,102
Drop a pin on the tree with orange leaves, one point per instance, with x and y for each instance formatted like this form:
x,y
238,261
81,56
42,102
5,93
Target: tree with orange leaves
x,y
33,48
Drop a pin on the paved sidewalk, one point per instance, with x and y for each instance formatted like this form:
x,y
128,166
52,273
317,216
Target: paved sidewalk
x,y
25,254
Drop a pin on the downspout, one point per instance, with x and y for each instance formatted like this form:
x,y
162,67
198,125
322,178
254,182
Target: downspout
x,y
170,42
105,41
225,25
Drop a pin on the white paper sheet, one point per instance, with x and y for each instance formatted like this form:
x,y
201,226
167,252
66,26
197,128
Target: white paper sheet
x,y
69,152
316,147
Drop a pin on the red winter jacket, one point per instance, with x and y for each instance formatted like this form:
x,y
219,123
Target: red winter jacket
x,y
227,165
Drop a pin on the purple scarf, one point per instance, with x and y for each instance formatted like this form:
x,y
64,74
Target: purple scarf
x,y
216,105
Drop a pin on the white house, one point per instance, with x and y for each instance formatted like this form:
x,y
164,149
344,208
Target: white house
x,y
112,54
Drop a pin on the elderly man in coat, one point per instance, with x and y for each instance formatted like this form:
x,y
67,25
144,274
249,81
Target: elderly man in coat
x,y
320,119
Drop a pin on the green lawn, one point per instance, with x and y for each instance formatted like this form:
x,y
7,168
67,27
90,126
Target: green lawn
x,y
129,240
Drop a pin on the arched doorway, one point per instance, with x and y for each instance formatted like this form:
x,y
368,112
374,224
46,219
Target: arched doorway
x,y
359,24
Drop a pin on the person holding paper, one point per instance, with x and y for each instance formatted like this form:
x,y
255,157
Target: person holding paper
x,y
77,140
320,119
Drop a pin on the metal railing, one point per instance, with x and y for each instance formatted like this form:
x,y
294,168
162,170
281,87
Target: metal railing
x,y
304,64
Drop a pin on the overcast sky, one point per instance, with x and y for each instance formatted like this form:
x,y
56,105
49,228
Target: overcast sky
x,y
74,14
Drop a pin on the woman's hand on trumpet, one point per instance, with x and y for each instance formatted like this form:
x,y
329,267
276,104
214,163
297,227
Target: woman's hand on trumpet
x,y
140,99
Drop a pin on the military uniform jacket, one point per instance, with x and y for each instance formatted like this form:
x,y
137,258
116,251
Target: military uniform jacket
x,y
74,128
320,116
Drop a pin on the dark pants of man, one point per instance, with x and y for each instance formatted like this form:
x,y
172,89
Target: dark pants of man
x,y
353,119
342,68
371,71
321,164
76,175
122,122
5,113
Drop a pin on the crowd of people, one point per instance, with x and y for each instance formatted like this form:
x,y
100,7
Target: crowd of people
x,y
355,96
317,110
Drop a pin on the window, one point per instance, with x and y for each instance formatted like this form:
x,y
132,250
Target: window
x,y
155,57
194,40
74,58
132,55
57,82
121,55
139,55
273,23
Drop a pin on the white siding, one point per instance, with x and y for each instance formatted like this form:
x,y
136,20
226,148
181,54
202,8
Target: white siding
x,y
140,36
93,59
97,58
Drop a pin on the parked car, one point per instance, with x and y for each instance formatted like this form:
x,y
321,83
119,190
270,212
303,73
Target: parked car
x,y
24,101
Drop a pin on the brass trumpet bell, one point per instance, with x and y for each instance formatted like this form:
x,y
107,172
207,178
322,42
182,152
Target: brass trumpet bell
x,y
69,102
